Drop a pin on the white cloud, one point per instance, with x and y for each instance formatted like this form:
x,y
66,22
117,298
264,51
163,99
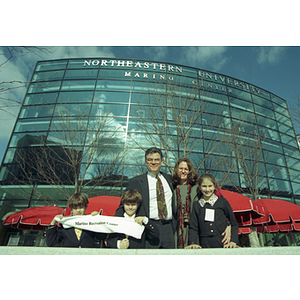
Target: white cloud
x,y
80,51
205,56
18,71
13,75
156,53
269,54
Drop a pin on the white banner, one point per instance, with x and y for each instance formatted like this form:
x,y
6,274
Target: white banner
x,y
104,224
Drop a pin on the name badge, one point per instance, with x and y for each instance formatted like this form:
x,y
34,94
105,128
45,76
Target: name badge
x,y
209,215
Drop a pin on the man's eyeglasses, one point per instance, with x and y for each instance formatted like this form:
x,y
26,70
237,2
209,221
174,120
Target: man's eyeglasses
x,y
156,160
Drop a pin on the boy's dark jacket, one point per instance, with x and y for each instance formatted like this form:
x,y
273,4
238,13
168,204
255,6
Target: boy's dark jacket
x,y
151,231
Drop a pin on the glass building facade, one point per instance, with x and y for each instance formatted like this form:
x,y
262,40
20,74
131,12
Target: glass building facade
x,y
84,125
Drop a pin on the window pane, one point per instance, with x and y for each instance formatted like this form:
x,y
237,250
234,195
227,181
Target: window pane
x,y
51,75
280,110
285,129
37,111
262,102
279,101
115,109
81,74
283,119
25,139
10,155
113,85
241,104
32,125
110,97
243,115
296,188
69,123
241,94
51,65
78,85
46,98
289,140
215,108
39,87
69,110
266,122
75,97
79,64
263,111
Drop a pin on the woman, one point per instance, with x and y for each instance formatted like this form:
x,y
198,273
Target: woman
x,y
184,180
185,186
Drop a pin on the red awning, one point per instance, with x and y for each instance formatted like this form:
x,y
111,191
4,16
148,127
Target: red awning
x,y
34,218
242,207
280,215
108,205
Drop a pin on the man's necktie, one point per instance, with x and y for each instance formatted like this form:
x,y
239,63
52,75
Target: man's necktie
x,y
161,201
78,233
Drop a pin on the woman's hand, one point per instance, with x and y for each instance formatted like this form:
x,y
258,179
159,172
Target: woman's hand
x,y
193,246
231,245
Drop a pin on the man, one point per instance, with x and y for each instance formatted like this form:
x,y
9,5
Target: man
x,y
159,206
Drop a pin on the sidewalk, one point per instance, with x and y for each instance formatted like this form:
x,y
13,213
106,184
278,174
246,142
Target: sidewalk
x,y
10,250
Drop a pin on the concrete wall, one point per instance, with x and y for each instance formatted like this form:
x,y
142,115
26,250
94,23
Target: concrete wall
x,y
10,250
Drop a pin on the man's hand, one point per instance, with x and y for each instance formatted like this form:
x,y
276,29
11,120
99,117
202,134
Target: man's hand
x,y
139,220
124,244
227,235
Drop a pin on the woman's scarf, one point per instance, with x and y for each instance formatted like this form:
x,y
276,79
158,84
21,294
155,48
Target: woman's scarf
x,y
183,215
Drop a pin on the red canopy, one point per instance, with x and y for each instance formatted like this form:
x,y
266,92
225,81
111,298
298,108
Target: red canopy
x,y
34,218
242,207
108,205
279,215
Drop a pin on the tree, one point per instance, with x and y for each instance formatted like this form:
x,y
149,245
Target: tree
x,y
295,113
9,53
78,155
180,118
252,164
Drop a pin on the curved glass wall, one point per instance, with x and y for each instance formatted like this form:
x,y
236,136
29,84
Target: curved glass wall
x,y
85,123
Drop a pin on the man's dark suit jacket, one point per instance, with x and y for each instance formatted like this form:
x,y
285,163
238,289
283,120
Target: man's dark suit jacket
x,y
141,183
55,235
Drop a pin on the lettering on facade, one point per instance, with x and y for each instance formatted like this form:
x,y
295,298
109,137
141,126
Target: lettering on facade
x,y
142,67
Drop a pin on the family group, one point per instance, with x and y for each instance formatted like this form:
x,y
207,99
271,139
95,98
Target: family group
x,y
183,211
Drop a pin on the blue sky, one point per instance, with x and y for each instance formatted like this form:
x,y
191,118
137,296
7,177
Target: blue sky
x,y
252,41
274,68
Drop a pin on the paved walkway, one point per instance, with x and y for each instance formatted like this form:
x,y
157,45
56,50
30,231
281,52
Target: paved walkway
x,y
10,250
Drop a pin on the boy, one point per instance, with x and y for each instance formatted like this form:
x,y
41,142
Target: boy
x,y
73,237
131,200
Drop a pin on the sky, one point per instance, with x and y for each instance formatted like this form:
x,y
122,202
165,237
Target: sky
x,y
249,42
274,68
